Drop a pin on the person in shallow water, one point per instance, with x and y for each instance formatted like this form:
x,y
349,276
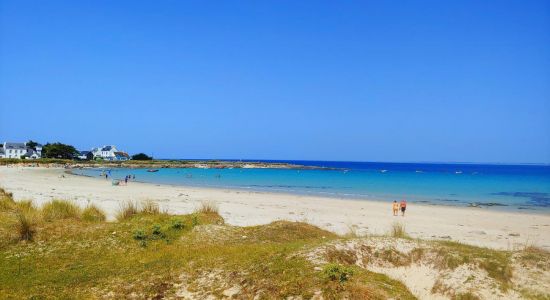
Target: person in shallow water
x,y
395,208
403,206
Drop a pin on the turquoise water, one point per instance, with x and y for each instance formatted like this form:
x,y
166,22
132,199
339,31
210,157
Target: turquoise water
x,y
501,187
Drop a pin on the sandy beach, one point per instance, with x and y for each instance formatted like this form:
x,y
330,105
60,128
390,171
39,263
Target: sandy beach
x,y
476,226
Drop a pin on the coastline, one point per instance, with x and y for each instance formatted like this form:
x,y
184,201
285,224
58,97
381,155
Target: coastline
x,y
335,196
481,227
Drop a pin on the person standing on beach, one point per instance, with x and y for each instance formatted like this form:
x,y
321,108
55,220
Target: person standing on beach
x,y
403,206
395,207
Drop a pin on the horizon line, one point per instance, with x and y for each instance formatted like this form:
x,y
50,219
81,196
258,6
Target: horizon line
x,y
359,161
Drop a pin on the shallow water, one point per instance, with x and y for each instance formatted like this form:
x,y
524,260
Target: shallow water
x,y
506,187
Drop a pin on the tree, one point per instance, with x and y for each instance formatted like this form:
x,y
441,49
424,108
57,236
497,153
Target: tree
x,y
58,150
141,156
32,144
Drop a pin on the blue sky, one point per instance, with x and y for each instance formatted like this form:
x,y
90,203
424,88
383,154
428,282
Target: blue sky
x,y
321,80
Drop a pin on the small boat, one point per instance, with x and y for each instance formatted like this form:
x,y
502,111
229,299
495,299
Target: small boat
x,y
153,170
458,172
383,171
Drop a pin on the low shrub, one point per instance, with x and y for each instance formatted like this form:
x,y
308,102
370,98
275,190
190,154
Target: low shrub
x,y
93,214
337,272
156,230
140,235
60,209
177,224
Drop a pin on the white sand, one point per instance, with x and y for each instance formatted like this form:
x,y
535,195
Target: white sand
x,y
476,226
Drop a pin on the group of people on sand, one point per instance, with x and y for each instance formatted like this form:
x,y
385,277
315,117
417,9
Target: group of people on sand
x,y
128,177
397,206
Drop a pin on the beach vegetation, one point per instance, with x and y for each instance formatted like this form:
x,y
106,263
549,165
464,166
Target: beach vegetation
x,y
208,207
149,207
398,230
337,272
93,214
497,264
25,225
157,255
6,201
25,205
60,209
177,224
466,296
127,210
340,256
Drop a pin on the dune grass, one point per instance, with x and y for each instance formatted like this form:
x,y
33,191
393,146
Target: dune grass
x,y
156,255
498,265
130,209
60,209
74,253
208,207
93,214
149,207
127,210
398,230
25,225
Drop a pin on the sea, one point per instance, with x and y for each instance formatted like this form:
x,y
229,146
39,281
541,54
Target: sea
x,y
495,186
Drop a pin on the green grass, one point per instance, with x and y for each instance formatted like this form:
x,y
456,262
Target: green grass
x,y
150,254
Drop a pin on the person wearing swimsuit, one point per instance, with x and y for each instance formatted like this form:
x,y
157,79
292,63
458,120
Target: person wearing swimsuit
x,y
395,208
403,207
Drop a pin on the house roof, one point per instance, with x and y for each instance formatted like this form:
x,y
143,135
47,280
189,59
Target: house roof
x,y
84,152
15,146
106,148
123,154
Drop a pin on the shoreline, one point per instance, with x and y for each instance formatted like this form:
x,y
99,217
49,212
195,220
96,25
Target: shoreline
x,y
158,164
469,204
482,227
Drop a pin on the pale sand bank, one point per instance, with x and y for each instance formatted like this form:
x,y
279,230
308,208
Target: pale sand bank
x,y
476,226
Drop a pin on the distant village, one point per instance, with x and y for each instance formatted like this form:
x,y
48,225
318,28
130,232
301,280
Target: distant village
x,y
33,150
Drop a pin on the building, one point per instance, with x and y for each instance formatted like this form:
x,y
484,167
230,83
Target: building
x,y
85,155
20,150
14,150
109,152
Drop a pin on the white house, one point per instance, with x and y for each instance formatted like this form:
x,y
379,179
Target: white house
x,y
109,152
19,150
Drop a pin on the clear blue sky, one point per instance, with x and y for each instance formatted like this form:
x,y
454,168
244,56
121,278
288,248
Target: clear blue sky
x,y
321,80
